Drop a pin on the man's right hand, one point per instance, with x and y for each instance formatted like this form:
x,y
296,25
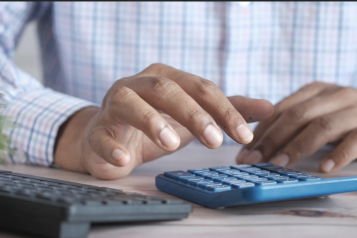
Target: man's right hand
x,y
148,115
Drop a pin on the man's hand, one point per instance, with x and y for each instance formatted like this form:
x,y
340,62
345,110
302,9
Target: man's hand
x,y
149,115
317,114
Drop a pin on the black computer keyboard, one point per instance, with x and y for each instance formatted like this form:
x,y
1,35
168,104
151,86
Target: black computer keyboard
x,y
55,208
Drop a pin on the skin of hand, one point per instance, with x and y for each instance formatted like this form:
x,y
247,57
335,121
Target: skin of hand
x,y
151,114
302,123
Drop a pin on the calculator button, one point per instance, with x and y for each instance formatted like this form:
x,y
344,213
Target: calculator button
x,y
274,168
198,182
218,188
263,183
230,171
250,170
219,168
242,174
187,180
290,173
225,179
261,172
215,176
207,173
257,180
280,178
204,185
291,180
235,182
242,185
241,166
198,170
284,170
178,174
312,178
263,165
301,176
251,177
271,175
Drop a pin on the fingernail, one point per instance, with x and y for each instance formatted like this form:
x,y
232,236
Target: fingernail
x,y
328,165
242,155
168,138
254,157
212,135
244,133
117,154
281,160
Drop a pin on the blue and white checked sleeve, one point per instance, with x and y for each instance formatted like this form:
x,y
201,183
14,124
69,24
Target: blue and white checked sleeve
x,y
36,112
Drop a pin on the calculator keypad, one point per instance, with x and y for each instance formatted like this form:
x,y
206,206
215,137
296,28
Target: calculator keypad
x,y
224,178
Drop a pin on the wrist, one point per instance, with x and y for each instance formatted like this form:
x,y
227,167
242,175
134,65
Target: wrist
x,y
69,141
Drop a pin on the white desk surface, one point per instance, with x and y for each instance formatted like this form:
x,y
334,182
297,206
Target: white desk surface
x,y
333,216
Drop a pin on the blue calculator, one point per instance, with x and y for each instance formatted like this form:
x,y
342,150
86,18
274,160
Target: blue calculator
x,y
248,184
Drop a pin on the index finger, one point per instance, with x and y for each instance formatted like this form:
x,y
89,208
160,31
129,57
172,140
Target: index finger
x,y
210,98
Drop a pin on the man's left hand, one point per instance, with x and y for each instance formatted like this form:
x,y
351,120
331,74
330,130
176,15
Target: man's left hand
x,y
317,114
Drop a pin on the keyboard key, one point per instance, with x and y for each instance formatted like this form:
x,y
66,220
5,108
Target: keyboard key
x,y
263,165
242,185
241,166
177,174
218,188
219,168
193,171
311,178
196,183
204,185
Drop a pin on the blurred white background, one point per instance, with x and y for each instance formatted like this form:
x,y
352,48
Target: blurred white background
x,y
28,55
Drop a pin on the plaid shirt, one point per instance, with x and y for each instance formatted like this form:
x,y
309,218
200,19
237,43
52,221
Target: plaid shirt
x,y
263,50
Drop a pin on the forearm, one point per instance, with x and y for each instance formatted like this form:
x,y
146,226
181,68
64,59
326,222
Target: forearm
x,y
68,154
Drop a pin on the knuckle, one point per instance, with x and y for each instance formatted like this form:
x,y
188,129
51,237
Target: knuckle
x,y
156,67
296,114
317,84
120,94
298,148
348,91
205,86
195,115
344,155
230,118
323,123
269,143
149,118
160,84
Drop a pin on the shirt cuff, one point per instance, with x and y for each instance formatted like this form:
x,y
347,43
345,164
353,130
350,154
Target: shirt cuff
x,y
36,117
